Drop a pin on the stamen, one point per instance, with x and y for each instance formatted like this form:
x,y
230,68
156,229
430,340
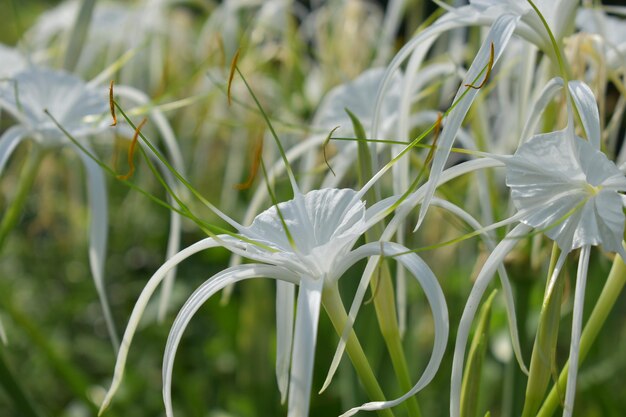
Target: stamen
x,y
112,104
131,152
233,65
492,54
256,161
324,149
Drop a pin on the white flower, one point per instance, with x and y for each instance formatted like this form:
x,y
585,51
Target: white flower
x,y
314,252
80,108
567,188
68,98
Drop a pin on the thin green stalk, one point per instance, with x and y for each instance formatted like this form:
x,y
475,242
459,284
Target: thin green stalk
x,y
611,291
338,316
13,388
25,183
382,287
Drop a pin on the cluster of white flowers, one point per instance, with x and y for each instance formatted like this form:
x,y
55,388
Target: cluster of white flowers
x,y
562,185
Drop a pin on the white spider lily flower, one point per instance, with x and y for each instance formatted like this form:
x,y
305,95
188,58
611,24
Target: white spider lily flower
x,y
315,251
81,109
567,188
504,18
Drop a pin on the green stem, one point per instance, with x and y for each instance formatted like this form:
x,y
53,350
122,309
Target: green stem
x,y
14,389
612,289
338,316
25,183
385,305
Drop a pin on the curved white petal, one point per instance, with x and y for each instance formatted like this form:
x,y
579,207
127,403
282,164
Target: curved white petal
x,y
98,236
587,109
499,36
196,300
400,214
142,302
545,97
504,277
577,320
285,302
8,142
482,281
3,334
301,376
429,284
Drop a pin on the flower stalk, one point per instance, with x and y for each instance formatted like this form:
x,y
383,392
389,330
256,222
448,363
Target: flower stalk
x,y
611,291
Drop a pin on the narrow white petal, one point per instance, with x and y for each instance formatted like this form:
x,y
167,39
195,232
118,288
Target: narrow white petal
x,y
140,307
98,235
285,302
196,300
8,142
173,246
429,284
577,320
473,302
545,97
504,277
400,214
555,274
3,334
499,35
587,109
307,316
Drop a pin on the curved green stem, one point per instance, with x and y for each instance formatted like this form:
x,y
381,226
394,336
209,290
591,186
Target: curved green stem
x,y
25,183
611,291
338,316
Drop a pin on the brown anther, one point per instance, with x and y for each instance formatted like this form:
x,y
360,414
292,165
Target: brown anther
x,y
131,152
254,169
489,68
112,104
233,66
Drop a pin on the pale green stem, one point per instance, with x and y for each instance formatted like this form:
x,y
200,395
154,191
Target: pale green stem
x,y
337,313
25,183
385,305
611,291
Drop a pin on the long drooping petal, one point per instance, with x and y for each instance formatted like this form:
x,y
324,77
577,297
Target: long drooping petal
x,y
482,281
285,302
400,214
98,234
8,142
499,36
577,319
429,284
307,316
142,302
197,299
587,107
